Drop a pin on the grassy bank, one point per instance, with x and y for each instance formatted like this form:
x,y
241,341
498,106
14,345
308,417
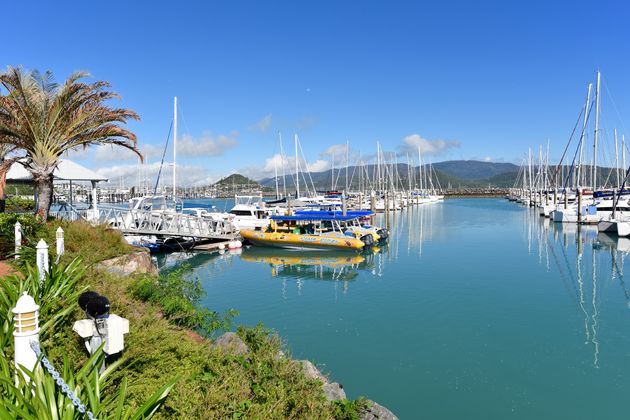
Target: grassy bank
x,y
170,339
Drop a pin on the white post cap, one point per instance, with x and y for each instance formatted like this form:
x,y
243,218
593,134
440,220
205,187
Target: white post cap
x,y
42,244
59,230
25,305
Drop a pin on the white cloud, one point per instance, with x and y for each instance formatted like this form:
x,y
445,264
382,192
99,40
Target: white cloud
x,y
338,151
427,147
147,174
306,122
110,152
262,125
77,153
276,162
335,149
319,165
113,153
206,145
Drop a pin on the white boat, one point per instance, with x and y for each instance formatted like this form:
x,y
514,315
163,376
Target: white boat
x,y
250,212
621,227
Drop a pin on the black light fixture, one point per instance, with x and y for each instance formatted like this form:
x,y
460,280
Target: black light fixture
x,y
94,305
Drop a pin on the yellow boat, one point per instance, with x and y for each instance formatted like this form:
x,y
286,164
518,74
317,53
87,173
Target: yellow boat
x,y
324,241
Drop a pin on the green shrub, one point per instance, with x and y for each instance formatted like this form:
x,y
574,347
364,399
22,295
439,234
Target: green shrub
x,y
178,297
92,244
31,228
42,398
57,298
350,409
19,204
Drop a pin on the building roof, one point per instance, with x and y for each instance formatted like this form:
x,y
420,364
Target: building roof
x,y
67,170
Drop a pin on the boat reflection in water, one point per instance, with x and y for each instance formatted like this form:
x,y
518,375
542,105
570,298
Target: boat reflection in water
x,y
585,260
316,265
204,264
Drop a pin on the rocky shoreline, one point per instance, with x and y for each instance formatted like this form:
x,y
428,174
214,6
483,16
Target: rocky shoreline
x,y
231,343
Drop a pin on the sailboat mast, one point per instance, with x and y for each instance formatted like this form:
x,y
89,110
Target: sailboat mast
x,y
297,170
284,177
596,132
347,162
623,150
332,172
617,158
174,146
420,168
586,112
378,167
275,170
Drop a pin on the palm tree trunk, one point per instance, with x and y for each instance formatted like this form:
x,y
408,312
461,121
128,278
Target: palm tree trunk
x,y
44,196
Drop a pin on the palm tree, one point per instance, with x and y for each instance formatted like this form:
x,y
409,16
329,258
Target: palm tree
x,y
44,120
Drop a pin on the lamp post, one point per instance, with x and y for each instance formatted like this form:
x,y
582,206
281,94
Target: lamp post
x,y
26,330
61,247
42,262
18,239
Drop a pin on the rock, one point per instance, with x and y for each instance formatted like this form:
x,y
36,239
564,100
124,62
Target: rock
x,y
377,412
311,372
334,391
231,343
138,262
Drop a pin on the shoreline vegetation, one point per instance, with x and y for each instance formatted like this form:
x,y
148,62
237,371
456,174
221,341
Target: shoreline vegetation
x,y
174,346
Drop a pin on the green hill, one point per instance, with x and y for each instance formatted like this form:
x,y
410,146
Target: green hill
x,y
236,180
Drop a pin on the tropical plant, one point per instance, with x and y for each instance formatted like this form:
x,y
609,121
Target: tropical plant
x,y
57,296
44,119
41,397
7,158
32,228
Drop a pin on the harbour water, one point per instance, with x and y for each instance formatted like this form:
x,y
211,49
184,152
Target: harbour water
x,y
478,308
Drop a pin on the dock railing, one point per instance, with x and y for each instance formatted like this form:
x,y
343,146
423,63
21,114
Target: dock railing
x,y
164,223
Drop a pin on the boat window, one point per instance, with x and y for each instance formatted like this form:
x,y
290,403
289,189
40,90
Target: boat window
x,y
241,212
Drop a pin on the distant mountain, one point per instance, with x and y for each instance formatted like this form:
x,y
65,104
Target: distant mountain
x,y
474,169
235,179
456,173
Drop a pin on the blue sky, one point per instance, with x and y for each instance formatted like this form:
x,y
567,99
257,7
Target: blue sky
x,y
475,80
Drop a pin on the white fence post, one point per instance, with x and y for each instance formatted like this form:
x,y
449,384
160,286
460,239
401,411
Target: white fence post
x,y
18,239
42,261
61,247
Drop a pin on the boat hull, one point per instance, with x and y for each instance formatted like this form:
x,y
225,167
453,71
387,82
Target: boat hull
x,y
300,241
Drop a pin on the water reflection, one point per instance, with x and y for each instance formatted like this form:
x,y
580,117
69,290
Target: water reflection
x,y
583,259
210,264
310,265
409,230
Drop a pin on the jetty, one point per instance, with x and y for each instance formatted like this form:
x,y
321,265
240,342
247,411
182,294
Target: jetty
x,y
158,223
